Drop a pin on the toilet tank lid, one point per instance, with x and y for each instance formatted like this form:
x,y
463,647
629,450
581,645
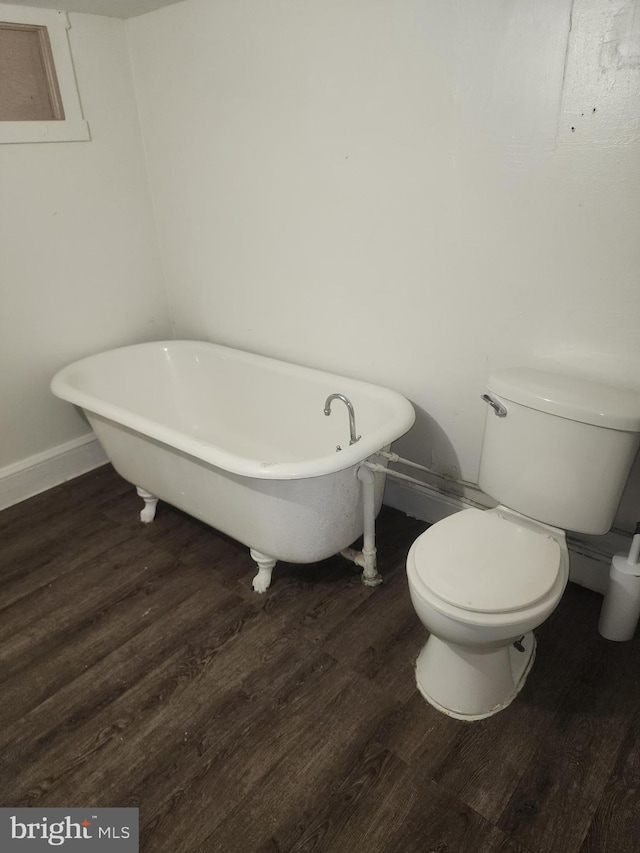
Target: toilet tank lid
x,y
569,397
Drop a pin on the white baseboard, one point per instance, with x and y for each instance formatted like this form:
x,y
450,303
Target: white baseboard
x,y
36,474
590,555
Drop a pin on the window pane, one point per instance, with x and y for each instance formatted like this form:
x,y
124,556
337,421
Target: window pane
x,y
28,85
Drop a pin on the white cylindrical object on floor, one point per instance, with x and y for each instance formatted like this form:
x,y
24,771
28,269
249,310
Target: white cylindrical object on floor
x,y
621,607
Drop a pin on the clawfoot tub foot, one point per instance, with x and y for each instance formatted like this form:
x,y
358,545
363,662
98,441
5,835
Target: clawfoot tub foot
x,y
148,512
265,566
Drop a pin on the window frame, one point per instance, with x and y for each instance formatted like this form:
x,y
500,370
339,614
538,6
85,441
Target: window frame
x,y
71,128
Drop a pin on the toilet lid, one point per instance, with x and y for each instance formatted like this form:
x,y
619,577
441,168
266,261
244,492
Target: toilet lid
x,y
479,561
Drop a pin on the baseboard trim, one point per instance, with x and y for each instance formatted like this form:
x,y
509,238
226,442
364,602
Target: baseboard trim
x,y
590,555
36,474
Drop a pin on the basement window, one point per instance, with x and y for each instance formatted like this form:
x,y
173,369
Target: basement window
x,y
39,99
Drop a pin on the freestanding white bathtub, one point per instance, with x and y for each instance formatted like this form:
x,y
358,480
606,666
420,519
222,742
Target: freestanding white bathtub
x,y
239,441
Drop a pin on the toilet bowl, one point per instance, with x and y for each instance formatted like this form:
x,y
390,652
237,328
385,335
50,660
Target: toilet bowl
x,y
556,453
480,582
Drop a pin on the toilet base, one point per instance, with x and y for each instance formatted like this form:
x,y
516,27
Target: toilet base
x,y
471,683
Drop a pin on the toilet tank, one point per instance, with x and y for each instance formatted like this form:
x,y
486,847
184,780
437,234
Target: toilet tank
x,y
561,449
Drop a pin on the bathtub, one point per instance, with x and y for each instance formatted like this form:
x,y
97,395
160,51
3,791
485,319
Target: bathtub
x,y
241,442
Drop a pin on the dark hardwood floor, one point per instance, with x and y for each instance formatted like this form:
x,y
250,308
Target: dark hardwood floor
x,y
138,668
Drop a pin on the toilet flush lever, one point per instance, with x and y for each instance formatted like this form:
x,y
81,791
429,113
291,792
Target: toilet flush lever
x,y
498,408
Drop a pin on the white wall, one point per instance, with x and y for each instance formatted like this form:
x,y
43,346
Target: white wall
x,y
79,262
414,192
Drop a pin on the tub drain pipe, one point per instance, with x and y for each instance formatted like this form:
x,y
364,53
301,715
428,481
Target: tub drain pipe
x,y
367,557
366,474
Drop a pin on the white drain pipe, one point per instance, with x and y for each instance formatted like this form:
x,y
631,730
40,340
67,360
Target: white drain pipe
x,y
366,474
367,557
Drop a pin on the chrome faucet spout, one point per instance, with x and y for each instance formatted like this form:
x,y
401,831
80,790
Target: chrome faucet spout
x,y
352,415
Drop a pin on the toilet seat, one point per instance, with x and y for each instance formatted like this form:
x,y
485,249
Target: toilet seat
x,y
482,563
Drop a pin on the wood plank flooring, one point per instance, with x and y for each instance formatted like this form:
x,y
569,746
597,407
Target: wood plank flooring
x,y
139,668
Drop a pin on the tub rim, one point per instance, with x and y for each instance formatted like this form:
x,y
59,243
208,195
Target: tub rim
x,y
403,420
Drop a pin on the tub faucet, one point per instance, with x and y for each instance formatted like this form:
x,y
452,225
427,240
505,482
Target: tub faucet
x,y
352,415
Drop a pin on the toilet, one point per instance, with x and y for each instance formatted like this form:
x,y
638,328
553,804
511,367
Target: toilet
x,y
556,454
